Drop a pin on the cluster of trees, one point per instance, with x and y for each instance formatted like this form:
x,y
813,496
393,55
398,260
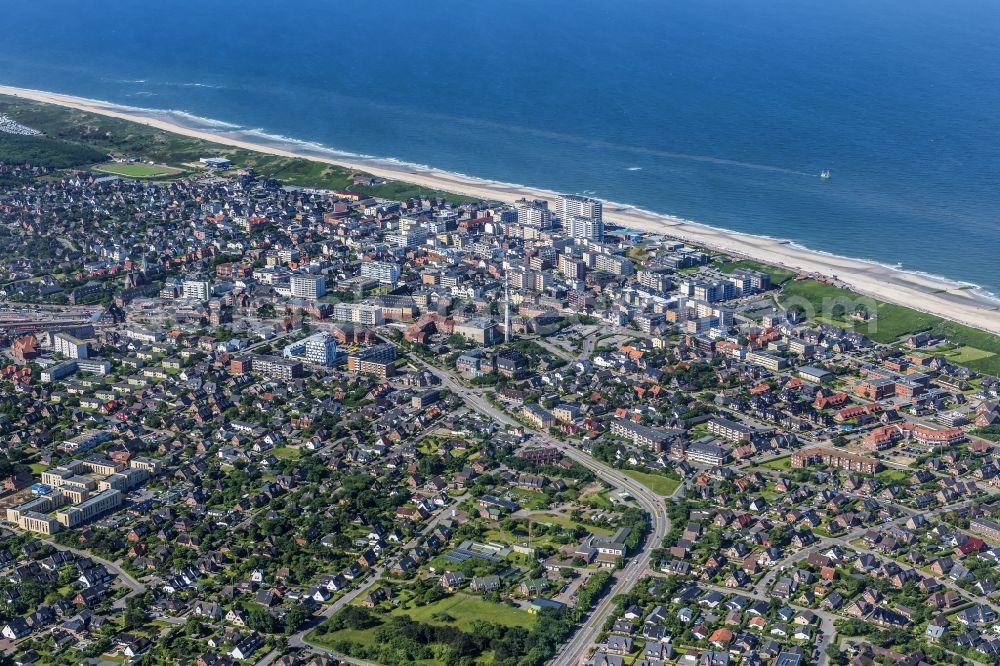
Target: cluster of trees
x,y
700,375
591,591
990,432
402,640
261,620
900,640
576,471
637,521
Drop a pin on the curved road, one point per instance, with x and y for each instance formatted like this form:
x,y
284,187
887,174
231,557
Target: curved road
x,y
652,503
135,586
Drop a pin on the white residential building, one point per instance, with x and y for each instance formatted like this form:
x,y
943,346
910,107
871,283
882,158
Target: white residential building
x,y
319,348
383,271
583,227
197,289
69,346
535,214
308,286
359,313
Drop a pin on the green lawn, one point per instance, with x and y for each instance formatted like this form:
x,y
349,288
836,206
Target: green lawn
x,y
530,499
566,521
966,354
892,475
38,467
778,275
599,500
660,484
835,305
459,610
464,609
770,494
138,170
974,349
286,452
782,463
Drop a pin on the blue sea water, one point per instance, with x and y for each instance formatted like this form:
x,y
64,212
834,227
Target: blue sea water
x,y
721,111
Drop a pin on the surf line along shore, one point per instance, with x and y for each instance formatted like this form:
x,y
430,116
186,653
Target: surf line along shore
x,y
924,293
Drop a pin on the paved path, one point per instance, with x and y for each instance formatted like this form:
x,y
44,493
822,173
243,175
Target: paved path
x,y
298,639
574,651
134,586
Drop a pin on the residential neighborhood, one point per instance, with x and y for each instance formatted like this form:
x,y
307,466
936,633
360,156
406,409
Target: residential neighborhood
x,y
250,422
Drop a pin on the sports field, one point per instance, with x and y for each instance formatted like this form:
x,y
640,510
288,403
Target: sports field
x,y
138,170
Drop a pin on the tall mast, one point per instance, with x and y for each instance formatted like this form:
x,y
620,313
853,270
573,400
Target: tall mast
x,y
506,307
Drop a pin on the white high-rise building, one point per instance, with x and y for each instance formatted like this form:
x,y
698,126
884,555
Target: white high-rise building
x,y
582,217
359,313
308,286
584,227
574,205
69,346
319,348
198,289
534,214
383,271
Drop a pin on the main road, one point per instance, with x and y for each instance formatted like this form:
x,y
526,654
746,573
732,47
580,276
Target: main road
x,y
650,502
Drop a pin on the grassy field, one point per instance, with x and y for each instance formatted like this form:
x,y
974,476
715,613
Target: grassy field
x,y
79,139
459,610
46,151
567,522
660,484
835,305
464,609
530,499
38,467
364,637
778,276
974,349
892,475
780,464
138,170
600,500
286,452
966,354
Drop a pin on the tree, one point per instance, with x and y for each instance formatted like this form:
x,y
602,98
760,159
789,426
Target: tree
x,y
354,617
135,613
259,619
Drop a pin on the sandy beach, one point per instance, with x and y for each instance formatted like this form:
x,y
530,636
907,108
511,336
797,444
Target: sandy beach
x,y
928,294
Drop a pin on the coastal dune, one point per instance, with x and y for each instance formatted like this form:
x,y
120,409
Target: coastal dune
x,y
925,293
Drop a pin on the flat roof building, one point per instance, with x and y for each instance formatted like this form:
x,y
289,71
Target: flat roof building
x,y
480,330
86,511
811,373
306,285
654,439
69,346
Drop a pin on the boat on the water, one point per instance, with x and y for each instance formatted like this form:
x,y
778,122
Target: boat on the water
x,y
824,174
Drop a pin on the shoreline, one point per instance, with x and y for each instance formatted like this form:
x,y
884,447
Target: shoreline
x,y
933,295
